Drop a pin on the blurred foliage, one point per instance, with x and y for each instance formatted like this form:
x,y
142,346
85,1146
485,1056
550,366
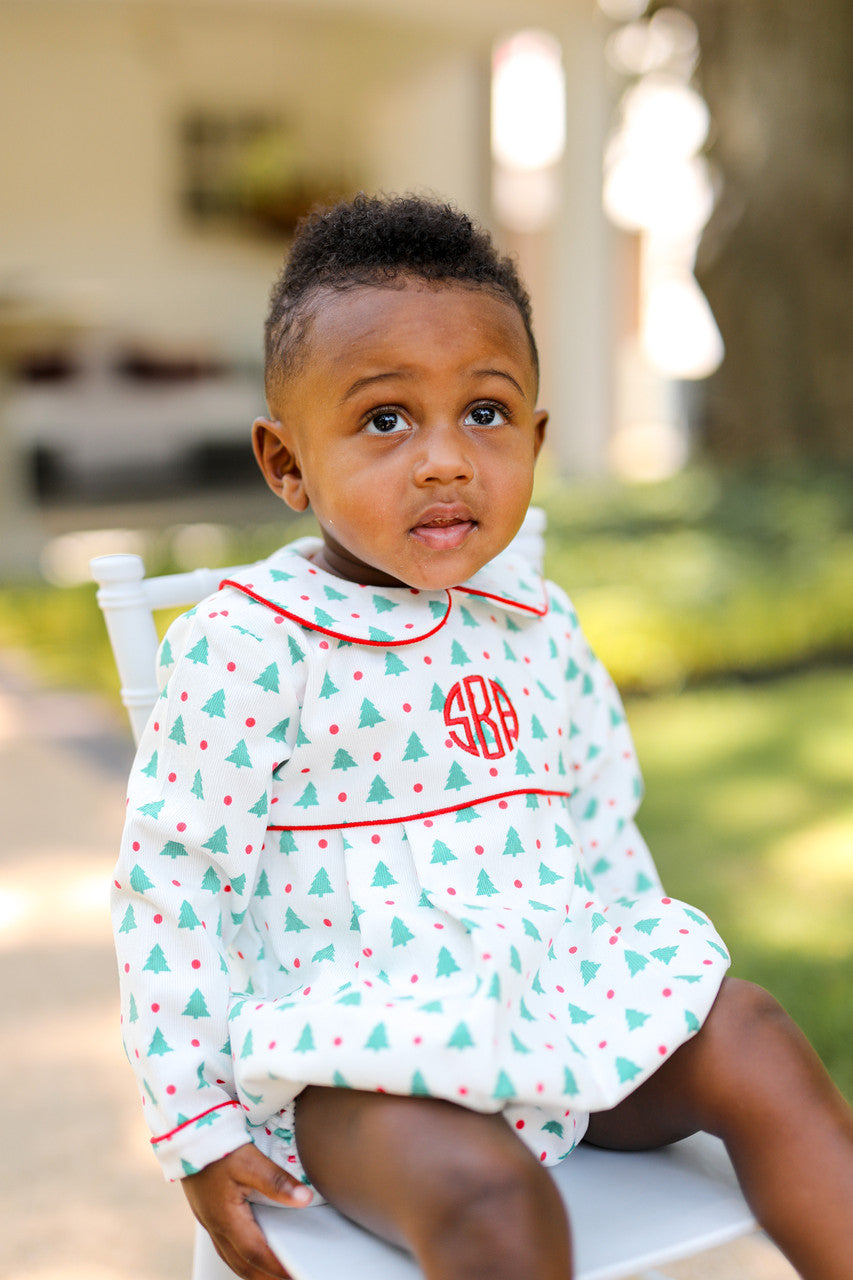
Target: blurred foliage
x,y
749,813
707,574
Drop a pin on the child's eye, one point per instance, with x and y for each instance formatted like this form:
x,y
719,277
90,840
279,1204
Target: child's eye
x,y
385,422
485,415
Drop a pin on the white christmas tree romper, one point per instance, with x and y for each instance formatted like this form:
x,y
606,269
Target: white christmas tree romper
x,y
383,839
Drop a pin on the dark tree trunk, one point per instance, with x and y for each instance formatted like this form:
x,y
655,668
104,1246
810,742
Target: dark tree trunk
x,y
776,260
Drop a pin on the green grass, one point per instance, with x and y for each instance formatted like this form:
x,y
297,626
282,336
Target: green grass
x,y
749,813
707,573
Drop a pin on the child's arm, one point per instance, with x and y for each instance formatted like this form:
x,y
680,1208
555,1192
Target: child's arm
x,y
197,815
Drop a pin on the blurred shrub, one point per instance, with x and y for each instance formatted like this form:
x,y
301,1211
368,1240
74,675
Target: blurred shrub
x,y
707,574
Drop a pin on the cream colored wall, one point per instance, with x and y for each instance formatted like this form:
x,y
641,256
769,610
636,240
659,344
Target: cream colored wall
x,y
90,97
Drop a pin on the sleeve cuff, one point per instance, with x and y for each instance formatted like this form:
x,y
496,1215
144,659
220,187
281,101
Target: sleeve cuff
x,y
197,1142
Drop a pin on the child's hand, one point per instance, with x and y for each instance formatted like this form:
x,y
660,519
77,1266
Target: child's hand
x,y
219,1196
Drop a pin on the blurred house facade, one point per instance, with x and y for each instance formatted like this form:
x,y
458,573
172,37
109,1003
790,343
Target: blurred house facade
x,y
157,152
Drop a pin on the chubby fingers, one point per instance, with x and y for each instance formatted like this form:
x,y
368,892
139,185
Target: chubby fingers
x,y
219,1197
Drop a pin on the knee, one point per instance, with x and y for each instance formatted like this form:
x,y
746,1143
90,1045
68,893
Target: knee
x,y
747,1042
744,1011
499,1208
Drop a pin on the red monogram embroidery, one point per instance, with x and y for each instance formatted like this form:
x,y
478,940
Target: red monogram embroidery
x,y
481,710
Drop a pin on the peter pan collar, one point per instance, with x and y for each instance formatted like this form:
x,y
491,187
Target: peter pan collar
x,y
290,584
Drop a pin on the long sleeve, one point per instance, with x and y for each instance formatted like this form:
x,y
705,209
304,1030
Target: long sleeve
x,y
198,803
606,783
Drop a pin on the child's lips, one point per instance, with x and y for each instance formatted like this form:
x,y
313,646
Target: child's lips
x,y
444,530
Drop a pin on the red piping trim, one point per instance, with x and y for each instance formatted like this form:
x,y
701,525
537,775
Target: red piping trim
x,y
488,595
413,817
337,635
164,1137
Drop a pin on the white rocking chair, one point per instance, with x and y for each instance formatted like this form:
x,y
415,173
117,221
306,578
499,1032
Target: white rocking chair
x,y
630,1212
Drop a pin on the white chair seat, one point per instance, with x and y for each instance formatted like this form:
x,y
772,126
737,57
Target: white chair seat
x,y
630,1211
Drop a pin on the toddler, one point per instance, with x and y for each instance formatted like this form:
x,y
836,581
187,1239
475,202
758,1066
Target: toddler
x,y
387,932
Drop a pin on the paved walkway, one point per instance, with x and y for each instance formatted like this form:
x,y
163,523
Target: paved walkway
x,y
82,1197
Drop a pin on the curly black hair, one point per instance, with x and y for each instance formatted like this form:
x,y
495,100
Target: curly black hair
x,y
384,241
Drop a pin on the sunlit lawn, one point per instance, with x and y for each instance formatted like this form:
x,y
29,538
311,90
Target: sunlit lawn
x,y
749,812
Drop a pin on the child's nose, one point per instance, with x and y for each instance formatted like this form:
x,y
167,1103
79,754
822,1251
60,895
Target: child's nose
x,y
444,458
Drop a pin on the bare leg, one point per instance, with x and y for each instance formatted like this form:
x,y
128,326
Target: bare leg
x,y
751,1077
456,1187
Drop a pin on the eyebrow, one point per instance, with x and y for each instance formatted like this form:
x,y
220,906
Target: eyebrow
x,y
370,379
500,373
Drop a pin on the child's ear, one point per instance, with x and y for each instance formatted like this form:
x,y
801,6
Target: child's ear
x,y
277,460
540,421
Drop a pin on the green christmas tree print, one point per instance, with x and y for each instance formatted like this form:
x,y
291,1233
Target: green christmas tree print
x,y
292,922
240,756
210,881
627,1069
218,842
485,887
128,923
199,652
523,767
308,799
305,1043
512,846
279,732
504,1088
173,849
177,733
401,934
329,688
442,853
456,778
156,962
382,877
343,760
321,885
379,792
159,1045
414,748
418,1087
215,705
268,679
458,656
461,1037
188,918
196,1006
378,1038
369,716
446,964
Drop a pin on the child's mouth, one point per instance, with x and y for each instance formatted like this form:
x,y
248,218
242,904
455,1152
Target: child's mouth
x,y
445,532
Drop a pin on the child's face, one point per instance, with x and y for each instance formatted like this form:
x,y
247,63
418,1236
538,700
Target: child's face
x,y
411,428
